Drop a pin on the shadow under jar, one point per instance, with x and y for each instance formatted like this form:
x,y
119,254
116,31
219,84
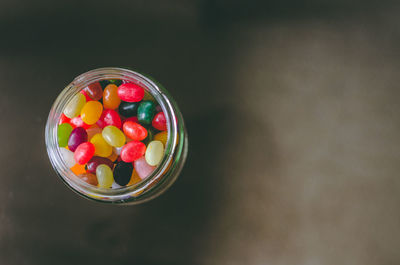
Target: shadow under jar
x,y
164,174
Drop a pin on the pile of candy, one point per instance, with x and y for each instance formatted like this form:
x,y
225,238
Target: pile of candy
x,y
112,134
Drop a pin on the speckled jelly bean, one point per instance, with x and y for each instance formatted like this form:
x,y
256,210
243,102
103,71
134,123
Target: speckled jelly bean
x,y
142,168
145,112
130,92
83,153
89,178
68,157
154,153
102,148
91,112
122,173
109,117
75,106
128,109
134,131
113,136
94,91
63,132
159,122
132,151
110,97
95,161
104,176
77,137
162,137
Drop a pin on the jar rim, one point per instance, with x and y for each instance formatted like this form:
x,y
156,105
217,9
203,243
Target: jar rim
x,y
79,83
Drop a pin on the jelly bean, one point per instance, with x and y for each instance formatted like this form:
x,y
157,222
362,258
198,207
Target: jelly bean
x,y
68,157
102,148
89,178
154,153
94,91
135,131
77,137
159,122
158,108
133,151
134,119
142,168
104,176
86,95
96,161
91,112
78,169
63,119
116,82
122,173
113,156
104,83
110,97
118,150
130,92
162,137
149,137
115,186
92,131
113,136
75,106
78,122
145,112
63,132
109,117
128,109
134,178
84,153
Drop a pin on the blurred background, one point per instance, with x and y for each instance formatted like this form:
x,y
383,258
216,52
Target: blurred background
x,y
292,109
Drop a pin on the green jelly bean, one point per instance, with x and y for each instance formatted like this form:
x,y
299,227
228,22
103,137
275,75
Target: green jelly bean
x,y
146,111
63,132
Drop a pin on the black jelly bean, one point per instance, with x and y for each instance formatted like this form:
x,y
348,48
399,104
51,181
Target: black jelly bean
x,y
128,109
122,173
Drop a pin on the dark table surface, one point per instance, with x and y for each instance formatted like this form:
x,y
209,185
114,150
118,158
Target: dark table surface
x,y
292,109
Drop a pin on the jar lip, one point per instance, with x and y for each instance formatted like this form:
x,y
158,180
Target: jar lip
x,y
80,82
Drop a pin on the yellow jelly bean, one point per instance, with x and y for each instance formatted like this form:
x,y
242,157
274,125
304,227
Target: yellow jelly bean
x,y
101,147
154,153
113,136
75,106
91,112
104,176
111,99
162,137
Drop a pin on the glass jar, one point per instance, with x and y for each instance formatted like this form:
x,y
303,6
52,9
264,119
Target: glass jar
x,y
162,177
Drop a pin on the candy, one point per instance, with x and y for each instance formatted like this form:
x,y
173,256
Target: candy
x,y
83,92
113,136
63,119
91,112
122,173
130,92
116,82
92,131
134,178
63,132
134,119
142,168
132,151
75,106
154,153
84,153
145,112
77,137
113,156
162,137
95,161
118,150
104,176
148,96
78,122
110,97
135,131
89,178
94,91
102,148
78,169
109,117
159,122
128,109
68,157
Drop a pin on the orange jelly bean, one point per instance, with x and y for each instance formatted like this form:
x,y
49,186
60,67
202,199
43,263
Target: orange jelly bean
x,y
111,99
78,169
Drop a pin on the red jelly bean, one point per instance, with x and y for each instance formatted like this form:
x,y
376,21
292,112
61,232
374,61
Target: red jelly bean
x,y
159,122
83,92
64,119
134,130
130,92
84,153
109,117
134,119
78,122
98,160
133,151
94,91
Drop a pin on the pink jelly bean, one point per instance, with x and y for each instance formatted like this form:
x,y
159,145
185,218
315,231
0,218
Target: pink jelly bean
x,y
142,168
